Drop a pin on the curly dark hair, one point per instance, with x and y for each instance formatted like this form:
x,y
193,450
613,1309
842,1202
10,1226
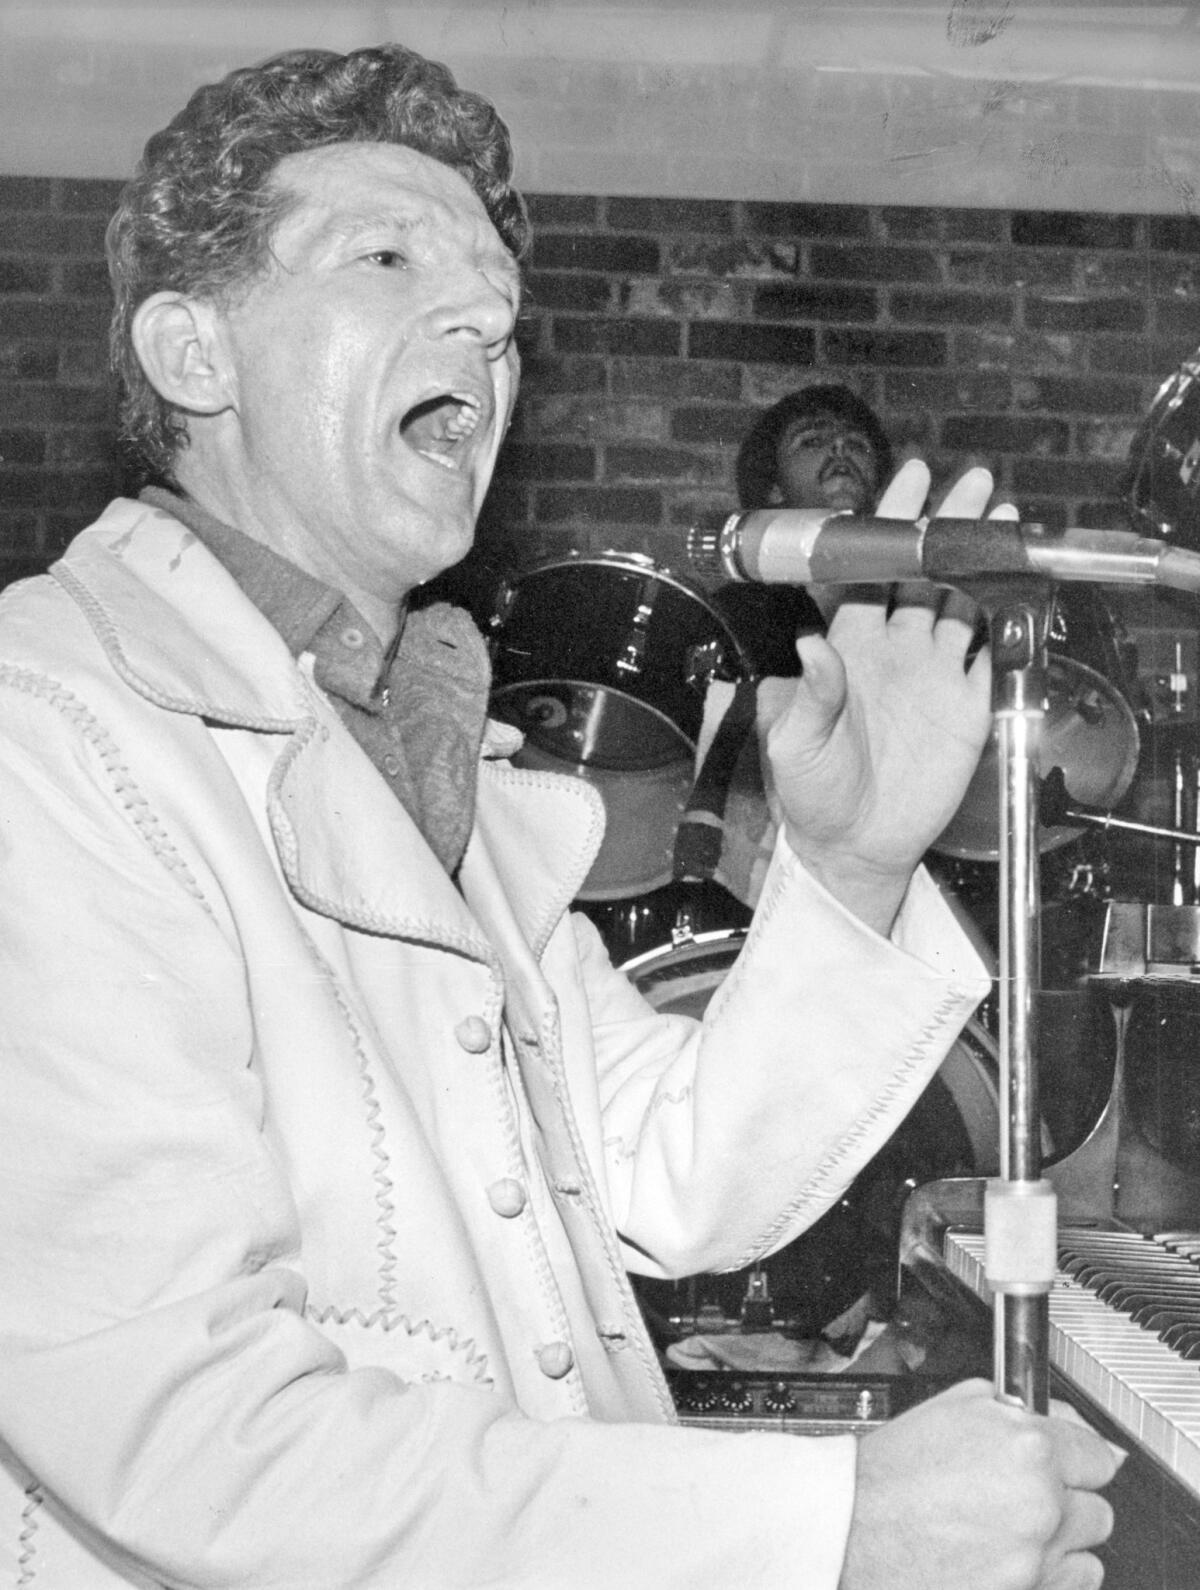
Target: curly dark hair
x,y
758,457
200,211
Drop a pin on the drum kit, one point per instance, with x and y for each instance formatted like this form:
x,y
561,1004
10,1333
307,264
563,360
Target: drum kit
x,y
604,662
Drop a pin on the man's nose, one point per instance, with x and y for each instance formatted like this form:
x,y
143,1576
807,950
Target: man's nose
x,y
470,305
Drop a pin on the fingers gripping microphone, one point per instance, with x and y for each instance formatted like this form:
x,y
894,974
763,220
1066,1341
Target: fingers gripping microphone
x,y
810,546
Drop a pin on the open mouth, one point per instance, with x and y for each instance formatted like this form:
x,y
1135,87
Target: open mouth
x,y
440,428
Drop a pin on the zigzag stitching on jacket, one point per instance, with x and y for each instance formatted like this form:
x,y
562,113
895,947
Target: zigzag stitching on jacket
x,y
730,985
126,790
388,1319
106,633
833,1159
26,1544
420,931
381,1175
569,887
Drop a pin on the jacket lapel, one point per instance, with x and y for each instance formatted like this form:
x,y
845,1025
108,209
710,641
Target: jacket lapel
x,y
179,630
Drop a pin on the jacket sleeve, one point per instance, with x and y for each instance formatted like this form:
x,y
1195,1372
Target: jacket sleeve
x,y
722,1140
162,1395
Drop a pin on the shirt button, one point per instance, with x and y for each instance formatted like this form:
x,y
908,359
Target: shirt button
x,y
507,1197
555,1360
391,764
474,1035
353,638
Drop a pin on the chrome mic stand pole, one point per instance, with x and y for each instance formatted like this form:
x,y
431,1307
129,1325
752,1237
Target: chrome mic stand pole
x,y
1020,1233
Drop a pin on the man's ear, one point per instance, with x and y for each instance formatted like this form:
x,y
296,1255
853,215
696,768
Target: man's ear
x,y
178,343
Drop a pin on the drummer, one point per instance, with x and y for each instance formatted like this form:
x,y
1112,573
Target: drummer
x,y
328,1132
821,446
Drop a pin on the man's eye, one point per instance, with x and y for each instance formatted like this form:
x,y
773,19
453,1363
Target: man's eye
x,y
389,257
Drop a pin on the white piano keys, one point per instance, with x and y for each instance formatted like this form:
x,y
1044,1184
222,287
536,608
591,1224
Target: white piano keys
x,y
1146,1388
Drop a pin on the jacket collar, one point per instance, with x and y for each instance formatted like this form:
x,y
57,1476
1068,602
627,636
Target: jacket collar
x,y
180,632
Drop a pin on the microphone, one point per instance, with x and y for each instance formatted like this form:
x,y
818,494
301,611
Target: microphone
x,y
811,546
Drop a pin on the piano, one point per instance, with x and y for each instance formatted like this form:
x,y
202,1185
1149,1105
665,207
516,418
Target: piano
x,y
1125,1305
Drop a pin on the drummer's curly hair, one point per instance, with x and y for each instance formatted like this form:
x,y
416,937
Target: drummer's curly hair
x,y
200,211
758,458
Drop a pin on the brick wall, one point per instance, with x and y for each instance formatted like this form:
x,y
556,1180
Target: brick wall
x,y
656,328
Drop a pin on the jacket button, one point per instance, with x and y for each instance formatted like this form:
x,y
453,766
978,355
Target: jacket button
x,y
507,1197
554,1360
474,1035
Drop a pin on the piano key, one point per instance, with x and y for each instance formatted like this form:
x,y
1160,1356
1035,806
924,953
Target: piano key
x,y
1149,1391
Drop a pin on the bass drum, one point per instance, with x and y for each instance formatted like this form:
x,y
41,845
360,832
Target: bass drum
x,y
952,1130
603,663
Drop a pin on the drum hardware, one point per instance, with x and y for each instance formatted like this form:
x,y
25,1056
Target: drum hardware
x,y
603,662
1089,731
1056,808
811,1282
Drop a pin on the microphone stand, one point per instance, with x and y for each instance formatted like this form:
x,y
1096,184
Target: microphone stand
x,y
1020,1216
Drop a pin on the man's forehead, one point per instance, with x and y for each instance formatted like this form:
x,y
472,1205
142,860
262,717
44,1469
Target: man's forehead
x,y
821,420
342,186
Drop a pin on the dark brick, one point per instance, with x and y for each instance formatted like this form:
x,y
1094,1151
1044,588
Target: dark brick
x,y
21,488
658,338
74,236
977,226
25,193
1006,267
23,277
756,344
874,264
670,215
549,461
600,505
22,447
662,463
41,404
675,379
568,291
1179,233
722,426
87,279
1004,433
589,251
25,363
81,444
1084,314
1117,273
1177,319
1068,229
954,309
545,373
52,317
949,389
780,301
1145,356
89,195
1066,479
883,347
807,220
1077,395
917,224
562,209
739,257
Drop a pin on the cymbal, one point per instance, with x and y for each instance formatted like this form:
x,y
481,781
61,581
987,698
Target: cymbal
x,y
1089,731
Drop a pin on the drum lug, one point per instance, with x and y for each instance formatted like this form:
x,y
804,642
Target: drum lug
x,y
683,929
703,662
630,660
